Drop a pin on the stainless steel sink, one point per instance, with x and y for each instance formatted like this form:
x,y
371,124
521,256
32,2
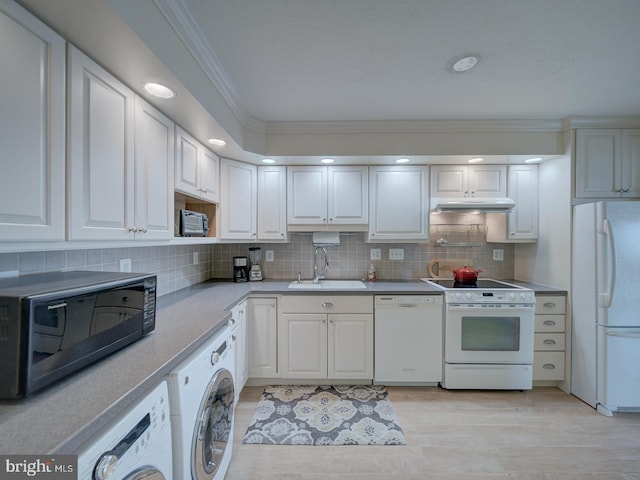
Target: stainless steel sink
x,y
328,285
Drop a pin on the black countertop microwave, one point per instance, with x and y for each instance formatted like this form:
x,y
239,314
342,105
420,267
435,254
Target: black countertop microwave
x,y
53,324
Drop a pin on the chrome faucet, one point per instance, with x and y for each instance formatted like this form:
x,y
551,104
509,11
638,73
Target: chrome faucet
x,y
319,271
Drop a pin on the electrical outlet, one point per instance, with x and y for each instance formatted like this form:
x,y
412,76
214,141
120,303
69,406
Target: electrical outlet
x,y
498,254
375,254
195,258
269,256
125,265
396,254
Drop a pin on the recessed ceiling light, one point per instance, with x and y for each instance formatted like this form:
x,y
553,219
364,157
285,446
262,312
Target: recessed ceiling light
x,y
217,142
327,160
475,160
268,160
465,63
533,160
403,160
159,90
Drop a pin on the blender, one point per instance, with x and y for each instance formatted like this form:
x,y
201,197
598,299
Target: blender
x,y
255,273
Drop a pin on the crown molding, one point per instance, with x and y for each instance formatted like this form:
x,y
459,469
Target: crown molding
x,y
415,126
181,20
601,122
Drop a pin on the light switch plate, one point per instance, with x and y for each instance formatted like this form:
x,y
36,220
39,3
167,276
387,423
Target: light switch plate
x,y
396,254
196,260
498,254
269,256
375,254
125,265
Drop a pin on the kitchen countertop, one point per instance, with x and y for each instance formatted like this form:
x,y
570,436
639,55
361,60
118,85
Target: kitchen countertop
x,y
539,289
65,416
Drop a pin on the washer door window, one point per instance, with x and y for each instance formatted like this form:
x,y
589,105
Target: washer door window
x,y
213,431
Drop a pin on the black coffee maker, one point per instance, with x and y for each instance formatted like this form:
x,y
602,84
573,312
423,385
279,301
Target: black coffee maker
x,y
240,269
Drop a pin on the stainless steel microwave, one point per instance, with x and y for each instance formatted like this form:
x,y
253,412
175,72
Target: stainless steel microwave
x,y
193,224
53,324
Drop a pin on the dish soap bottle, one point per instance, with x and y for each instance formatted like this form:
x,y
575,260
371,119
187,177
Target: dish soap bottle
x,y
371,274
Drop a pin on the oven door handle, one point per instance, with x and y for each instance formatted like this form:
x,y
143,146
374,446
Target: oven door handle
x,y
479,308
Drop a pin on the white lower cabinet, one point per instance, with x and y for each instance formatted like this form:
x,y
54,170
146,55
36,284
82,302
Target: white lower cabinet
x,y
326,337
549,338
262,324
238,324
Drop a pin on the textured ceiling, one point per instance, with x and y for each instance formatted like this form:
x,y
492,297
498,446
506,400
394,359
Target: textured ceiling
x,y
369,78
329,60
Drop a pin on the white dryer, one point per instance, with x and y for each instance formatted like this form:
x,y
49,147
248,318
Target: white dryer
x,y
202,401
136,446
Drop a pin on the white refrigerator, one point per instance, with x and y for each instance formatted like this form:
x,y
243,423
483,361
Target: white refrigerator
x,y
605,355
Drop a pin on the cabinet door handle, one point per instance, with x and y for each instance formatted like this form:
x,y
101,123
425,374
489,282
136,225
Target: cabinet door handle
x,y
549,305
132,229
327,305
549,341
549,322
549,366
324,321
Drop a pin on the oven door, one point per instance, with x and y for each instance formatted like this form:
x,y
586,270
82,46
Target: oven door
x,y
489,333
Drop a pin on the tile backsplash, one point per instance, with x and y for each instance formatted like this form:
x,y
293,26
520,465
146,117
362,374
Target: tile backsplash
x,y
175,267
351,259
173,264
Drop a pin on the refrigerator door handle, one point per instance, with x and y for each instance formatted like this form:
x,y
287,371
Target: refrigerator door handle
x,y
635,334
606,297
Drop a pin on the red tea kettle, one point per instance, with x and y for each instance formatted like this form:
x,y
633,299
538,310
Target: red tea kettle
x,y
465,275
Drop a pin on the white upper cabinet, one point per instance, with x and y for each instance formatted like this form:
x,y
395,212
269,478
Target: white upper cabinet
x,y
101,153
272,203
238,200
348,195
607,163
154,164
399,203
121,159
521,224
197,169
32,95
327,195
459,181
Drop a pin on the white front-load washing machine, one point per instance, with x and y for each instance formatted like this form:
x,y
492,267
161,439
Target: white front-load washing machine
x,y
135,446
202,401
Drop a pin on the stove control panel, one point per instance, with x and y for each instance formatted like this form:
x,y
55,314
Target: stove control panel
x,y
490,296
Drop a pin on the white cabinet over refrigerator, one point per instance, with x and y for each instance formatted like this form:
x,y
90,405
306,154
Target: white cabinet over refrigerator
x,y
606,325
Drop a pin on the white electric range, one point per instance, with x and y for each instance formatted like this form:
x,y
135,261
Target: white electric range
x,y
488,335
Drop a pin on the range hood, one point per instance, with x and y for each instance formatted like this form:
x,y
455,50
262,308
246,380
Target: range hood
x,y
474,204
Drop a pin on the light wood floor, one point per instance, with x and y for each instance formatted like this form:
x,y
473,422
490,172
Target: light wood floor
x,y
543,434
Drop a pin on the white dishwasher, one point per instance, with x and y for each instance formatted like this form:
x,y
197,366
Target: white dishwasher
x,y
408,339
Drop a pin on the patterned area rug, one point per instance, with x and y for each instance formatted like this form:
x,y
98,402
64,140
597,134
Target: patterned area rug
x,y
325,415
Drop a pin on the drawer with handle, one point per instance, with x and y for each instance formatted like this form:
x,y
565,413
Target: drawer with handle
x,y
548,366
550,304
550,323
548,341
